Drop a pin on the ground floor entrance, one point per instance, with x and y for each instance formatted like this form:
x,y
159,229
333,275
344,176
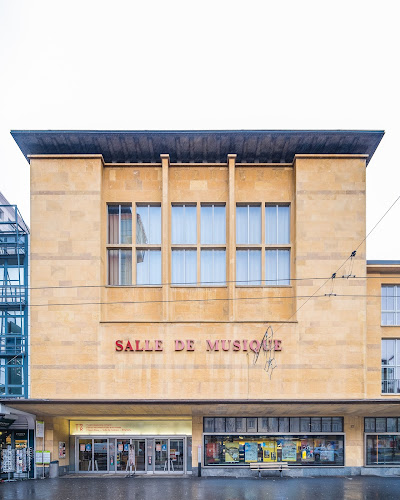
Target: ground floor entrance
x,y
151,455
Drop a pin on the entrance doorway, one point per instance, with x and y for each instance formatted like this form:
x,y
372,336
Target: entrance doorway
x,y
152,455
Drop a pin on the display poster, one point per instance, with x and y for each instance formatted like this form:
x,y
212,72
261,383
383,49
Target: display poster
x,y
158,447
81,447
289,451
88,447
212,450
164,447
327,455
232,451
39,457
307,451
172,454
250,452
126,447
269,451
39,428
46,457
132,456
120,447
61,449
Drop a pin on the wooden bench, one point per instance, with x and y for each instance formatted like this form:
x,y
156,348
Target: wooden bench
x,y
260,466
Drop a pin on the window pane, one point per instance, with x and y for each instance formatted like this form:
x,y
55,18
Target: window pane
x,y
241,267
254,224
126,267
177,221
283,267
213,267
190,267
271,267
184,224
14,375
148,267
206,225
113,224
184,267
283,224
248,267
178,270
126,225
241,224
155,224
270,225
113,267
219,226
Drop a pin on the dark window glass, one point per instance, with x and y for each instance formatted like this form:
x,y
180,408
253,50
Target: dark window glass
x,y
230,424
284,424
208,424
294,424
316,424
337,424
380,424
273,423
219,424
369,424
383,450
326,424
263,424
240,425
305,424
251,424
391,425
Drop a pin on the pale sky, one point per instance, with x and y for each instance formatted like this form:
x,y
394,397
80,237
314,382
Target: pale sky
x,y
138,65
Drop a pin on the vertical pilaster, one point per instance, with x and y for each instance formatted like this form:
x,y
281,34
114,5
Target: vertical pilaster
x,y
165,235
231,236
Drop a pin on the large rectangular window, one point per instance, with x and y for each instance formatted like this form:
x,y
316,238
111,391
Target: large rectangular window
x,y
390,305
192,249
391,366
383,449
307,450
263,258
144,249
148,244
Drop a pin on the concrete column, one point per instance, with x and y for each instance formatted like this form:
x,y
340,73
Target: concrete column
x,y
231,241
165,236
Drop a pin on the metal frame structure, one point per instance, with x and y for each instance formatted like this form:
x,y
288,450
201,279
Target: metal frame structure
x,y
14,298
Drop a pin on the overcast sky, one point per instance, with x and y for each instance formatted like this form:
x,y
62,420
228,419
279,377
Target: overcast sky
x,y
205,65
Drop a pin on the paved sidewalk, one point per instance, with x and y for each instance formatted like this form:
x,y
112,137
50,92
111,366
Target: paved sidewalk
x,y
145,488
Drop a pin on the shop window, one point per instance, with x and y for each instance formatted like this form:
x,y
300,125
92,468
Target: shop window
x,y
390,306
390,366
275,269
383,449
381,424
294,449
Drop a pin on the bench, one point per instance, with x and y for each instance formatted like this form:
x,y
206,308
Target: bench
x,y
260,466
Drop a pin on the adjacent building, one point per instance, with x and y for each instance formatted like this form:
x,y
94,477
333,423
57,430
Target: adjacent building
x,y
16,428
201,301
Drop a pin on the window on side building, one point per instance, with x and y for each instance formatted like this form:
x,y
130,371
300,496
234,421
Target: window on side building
x,y
390,366
390,306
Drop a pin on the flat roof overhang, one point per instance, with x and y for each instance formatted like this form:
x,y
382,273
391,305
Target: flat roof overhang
x,y
125,409
198,146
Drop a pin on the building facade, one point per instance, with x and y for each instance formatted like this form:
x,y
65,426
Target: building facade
x,y
202,301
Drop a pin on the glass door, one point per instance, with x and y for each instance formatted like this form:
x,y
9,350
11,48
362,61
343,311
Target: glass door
x,y
100,454
176,455
122,454
85,455
140,456
161,455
